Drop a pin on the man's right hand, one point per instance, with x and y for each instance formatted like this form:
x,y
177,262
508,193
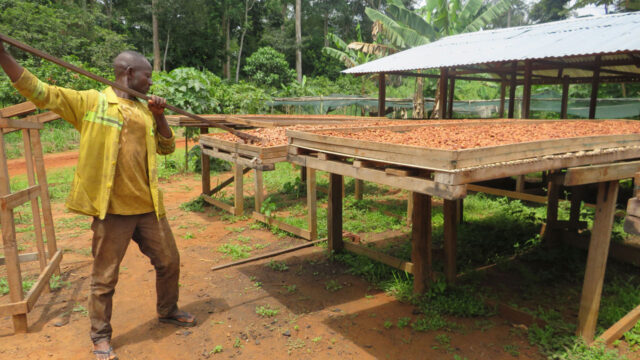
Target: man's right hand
x,y
9,64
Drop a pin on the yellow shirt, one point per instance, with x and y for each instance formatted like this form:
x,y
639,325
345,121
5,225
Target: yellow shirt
x,y
130,194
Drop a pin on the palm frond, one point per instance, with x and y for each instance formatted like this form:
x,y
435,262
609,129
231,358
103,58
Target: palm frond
x,y
490,15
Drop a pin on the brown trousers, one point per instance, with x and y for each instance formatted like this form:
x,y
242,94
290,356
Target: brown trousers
x,y
111,237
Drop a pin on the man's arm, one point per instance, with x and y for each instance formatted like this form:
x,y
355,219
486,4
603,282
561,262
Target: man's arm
x,y
9,64
156,106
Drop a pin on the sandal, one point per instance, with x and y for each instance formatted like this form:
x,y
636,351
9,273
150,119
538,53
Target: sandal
x,y
178,319
109,353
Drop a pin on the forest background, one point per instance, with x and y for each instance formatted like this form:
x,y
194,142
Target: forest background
x,y
224,56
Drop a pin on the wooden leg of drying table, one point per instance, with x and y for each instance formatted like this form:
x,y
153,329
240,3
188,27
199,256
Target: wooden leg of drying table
x,y
410,209
421,241
553,193
576,206
238,208
259,191
450,239
359,187
206,171
520,183
334,213
597,260
312,204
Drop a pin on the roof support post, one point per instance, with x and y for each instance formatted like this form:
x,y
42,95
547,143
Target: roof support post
x,y
526,91
512,91
443,93
503,86
382,94
565,97
452,86
594,88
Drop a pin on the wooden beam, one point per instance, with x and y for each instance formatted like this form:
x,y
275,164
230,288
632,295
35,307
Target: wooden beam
x,y
565,97
43,280
452,87
597,260
382,94
312,204
45,199
24,258
19,124
598,173
206,170
553,194
526,91
238,187
359,189
35,207
503,86
334,213
19,308
442,111
450,239
16,199
259,190
270,220
219,204
226,183
594,89
21,109
421,242
512,91
380,256
623,325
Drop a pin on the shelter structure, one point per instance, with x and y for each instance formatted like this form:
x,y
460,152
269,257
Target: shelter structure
x,y
590,50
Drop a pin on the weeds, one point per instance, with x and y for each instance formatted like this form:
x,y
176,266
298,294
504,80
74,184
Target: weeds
x,y
195,205
277,265
267,311
236,251
332,286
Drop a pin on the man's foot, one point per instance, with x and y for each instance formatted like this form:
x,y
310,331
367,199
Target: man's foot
x,y
180,318
103,351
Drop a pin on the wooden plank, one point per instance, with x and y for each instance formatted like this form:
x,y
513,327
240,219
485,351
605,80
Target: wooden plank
x,y
359,189
10,247
442,109
20,124
35,207
19,308
238,187
23,258
312,204
526,90
380,257
382,94
334,213
414,184
450,239
452,87
401,171
41,118
219,204
299,232
250,163
632,225
597,260
45,200
598,173
227,182
565,97
43,280
21,109
421,242
16,199
623,325
594,89
259,190
520,183
206,167
553,194
512,91
577,194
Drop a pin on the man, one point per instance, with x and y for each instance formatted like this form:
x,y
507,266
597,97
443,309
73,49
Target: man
x,y
116,182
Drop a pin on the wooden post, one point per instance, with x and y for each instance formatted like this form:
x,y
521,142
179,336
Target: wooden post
x,y
35,208
312,204
597,260
303,174
594,89
503,86
460,210
421,242
526,91
410,209
206,171
553,193
565,97
359,189
10,246
520,183
576,205
512,91
442,111
238,197
382,94
452,86
334,213
41,174
450,239
259,191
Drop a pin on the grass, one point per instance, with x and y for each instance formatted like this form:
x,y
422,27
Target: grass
x,y
277,265
57,136
235,251
267,311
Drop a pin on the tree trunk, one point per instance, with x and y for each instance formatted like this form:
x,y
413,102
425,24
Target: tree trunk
x,y
248,4
299,40
418,99
166,49
284,15
436,102
156,41
326,28
226,66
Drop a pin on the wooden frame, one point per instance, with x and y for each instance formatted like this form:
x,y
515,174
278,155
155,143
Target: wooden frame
x,y
49,259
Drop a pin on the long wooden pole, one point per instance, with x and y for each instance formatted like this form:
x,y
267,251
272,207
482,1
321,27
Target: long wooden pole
x,y
127,90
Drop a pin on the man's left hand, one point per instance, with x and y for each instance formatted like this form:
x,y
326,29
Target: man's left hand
x,y
156,105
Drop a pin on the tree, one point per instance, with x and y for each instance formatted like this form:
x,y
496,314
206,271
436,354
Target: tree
x,y
549,10
299,40
248,4
156,41
269,67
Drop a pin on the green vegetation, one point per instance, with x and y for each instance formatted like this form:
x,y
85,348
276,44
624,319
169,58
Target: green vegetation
x,y
277,265
235,251
267,311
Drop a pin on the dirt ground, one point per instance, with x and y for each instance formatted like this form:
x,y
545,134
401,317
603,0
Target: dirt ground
x,y
312,322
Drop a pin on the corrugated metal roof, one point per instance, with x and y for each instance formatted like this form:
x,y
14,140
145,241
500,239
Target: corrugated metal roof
x,y
608,34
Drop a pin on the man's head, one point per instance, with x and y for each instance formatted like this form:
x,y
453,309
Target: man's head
x,y
133,70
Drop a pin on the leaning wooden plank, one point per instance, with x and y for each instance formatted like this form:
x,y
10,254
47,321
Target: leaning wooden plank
x,y
507,193
23,258
415,184
41,118
45,199
16,199
379,256
21,124
226,182
220,204
18,109
597,173
14,308
623,325
43,280
242,161
303,233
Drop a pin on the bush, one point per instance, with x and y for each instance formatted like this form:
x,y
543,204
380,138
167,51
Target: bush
x,y
269,67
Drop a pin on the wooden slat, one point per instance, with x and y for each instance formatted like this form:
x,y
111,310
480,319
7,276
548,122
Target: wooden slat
x,y
20,124
358,189
18,109
24,258
259,189
421,238
43,280
623,325
219,204
45,200
41,118
227,182
242,161
597,260
379,256
450,239
414,184
18,308
238,187
598,173
507,193
303,233
205,166
18,198
334,213
312,204
35,207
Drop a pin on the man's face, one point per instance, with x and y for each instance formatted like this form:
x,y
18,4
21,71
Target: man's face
x,y
139,78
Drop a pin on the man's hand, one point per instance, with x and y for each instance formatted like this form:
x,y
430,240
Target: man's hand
x,y
156,105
